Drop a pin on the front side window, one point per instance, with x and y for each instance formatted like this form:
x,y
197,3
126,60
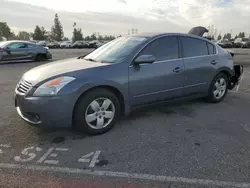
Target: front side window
x,y
116,50
193,47
17,46
165,48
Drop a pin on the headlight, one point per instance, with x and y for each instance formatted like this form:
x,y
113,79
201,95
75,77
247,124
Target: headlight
x,y
52,87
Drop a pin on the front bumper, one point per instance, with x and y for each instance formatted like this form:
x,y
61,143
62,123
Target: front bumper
x,y
238,73
46,111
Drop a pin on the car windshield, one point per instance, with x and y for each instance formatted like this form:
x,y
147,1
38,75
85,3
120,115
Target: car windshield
x,y
2,44
115,50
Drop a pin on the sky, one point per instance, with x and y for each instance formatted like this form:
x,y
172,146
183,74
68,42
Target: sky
x,y
117,16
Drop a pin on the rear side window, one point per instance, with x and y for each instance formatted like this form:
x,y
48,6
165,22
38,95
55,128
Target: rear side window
x,y
211,48
164,48
193,47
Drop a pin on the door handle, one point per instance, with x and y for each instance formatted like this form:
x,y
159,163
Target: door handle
x,y
214,62
177,69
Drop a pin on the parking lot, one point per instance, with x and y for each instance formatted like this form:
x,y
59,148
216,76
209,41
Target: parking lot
x,y
192,144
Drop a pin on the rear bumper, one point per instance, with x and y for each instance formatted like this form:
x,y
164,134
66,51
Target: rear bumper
x,y
234,80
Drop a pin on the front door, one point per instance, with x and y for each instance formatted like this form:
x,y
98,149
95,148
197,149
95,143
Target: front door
x,y
15,51
201,63
161,80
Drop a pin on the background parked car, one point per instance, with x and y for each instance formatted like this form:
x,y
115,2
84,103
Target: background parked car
x,y
20,51
80,44
238,43
225,44
95,44
42,43
53,45
245,43
66,44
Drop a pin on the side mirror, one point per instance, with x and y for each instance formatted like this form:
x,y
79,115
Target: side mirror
x,y
144,59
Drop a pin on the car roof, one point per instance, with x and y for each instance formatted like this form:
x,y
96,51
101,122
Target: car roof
x,y
158,34
23,41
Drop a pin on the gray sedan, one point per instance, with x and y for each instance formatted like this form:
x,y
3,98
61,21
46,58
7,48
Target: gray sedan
x,y
21,51
92,92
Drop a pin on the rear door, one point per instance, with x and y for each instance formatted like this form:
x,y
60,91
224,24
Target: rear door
x,y
201,62
16,51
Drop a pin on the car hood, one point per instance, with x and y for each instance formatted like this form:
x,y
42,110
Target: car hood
x,y
60,67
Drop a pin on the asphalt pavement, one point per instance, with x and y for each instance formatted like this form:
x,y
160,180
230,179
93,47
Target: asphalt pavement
x,y
190,144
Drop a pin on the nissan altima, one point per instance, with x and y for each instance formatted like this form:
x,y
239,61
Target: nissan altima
x,y
91,92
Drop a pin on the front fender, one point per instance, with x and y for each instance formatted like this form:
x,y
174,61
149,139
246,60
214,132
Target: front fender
x,y
89,85
122,89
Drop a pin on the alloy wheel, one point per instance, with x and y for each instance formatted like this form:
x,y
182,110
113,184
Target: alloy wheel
x,y
99,113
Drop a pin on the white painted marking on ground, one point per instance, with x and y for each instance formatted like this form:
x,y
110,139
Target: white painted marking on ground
x,y
3,146
26,153
54,162
149,177
62,149
84,159
246,127
45,155
50,154
53,155
94,159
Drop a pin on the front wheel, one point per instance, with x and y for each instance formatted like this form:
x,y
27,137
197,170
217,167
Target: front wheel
x,y
97,112
218,88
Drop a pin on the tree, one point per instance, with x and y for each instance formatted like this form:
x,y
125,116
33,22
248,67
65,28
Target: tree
x,y
87,38
227,36
23,35
39,33
93,37
236,37
219,37
57,29
77,34
5,30
243,35
100,37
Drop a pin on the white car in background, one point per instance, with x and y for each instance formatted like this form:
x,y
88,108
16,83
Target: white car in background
x,y
66,44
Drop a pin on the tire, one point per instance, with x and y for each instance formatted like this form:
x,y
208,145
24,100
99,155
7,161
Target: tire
x,y
218,88
40,57
84,108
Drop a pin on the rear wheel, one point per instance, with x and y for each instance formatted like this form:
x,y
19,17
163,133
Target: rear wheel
x,y
97,112
218,88
40,57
